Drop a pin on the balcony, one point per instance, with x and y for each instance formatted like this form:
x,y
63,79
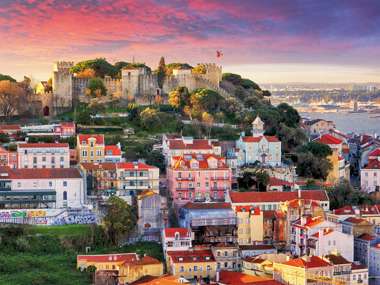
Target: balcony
x,y
185,178
219,178
185,188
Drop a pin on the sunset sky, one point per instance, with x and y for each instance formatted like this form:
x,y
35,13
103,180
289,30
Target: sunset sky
x,y
267,41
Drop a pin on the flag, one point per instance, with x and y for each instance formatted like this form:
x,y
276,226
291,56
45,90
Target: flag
x,y
219,53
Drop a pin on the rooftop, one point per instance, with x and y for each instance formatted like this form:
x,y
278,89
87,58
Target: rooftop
x,y
307,262
329,139
38,173
113,257
42,145
85,137
196,144
239,278
183,232
191,256
259,138
207,206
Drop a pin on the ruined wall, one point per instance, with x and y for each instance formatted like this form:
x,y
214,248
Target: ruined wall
x,y
62,85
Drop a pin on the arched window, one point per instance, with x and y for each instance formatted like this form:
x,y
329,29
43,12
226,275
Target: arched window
x,y
64,195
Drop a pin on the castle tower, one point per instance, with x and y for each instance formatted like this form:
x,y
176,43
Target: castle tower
x,y
257,127
213,73
62,86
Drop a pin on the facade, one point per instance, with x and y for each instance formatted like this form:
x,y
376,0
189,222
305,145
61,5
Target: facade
x,y
227,257
8,158
192,264
258,148
250,225
304,271
319,126
211,223
327,241
357,226
90,148
43,155
374,260
256,249
41,188
198,177
112,153
262,265
128,267
370,175
304,228
176,239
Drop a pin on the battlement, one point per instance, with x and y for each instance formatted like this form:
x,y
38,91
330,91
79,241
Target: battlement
x,y
109,80
63,65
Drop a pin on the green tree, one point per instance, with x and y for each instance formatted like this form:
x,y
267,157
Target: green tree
x,y
161,72
100,65
289,115
120,219
311,166
179,98
344,194
317,149
257,177
96,87
150,119
7,77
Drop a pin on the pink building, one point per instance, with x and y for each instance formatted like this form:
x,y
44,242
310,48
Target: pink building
x,y
65,129
198,177
8,158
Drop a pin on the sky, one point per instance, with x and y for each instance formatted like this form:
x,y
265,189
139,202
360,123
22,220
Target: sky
x,y
266,41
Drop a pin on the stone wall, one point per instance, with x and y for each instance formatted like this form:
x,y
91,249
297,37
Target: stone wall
x,y
62,85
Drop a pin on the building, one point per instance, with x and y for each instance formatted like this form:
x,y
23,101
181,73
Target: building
x,y
370,174
371,213
10,130
198,178
41,188
128,267
238,278
8,158
362,245
211,223
227,257
374,261
340,169
273,200
180,146
256,249
193,264
150,212
303,229
176,239
319,126
356,226
43,155
250,225
304,271
64,129
327,241
90,148
262,264
112,153
258,148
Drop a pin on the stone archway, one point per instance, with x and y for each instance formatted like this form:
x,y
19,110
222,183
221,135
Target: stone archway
x,y
46,111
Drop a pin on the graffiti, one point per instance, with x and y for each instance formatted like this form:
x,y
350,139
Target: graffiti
x,y
22,214
75,219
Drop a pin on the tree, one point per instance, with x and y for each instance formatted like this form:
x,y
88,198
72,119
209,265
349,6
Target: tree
x,y
100,65
208,119
317,149
7,78
161,72
86,73
257,177
311,166
96,87
179,98
12,98
289,115
149,118
344,194
120,219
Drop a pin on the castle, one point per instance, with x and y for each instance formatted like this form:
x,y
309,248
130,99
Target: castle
x,y
137,84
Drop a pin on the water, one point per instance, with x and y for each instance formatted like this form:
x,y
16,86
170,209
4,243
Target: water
x,y
350,122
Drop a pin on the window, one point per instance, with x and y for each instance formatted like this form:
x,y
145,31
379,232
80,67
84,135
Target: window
x,y
34,160
50,184
64,195
64,183
62,159
195,268
44,158
181,269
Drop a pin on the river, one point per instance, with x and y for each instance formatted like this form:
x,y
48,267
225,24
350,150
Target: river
x,y
350,122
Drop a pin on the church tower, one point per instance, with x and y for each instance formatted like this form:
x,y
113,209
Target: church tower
x,y
257,127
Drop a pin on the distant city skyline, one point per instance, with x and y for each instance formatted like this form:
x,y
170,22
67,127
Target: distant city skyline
x,y
327,41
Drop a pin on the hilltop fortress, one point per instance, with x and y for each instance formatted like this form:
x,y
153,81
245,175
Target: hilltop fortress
x,y
136,84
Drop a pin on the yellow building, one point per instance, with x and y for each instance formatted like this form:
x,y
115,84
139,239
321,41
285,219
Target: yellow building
x,y
90,148
192,264
127,266
304,271
250,225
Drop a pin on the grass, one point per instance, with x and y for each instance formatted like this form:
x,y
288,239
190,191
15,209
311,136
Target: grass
x,y
60,231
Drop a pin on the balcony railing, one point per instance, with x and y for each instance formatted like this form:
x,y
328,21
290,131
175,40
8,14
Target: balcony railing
x,y
185,178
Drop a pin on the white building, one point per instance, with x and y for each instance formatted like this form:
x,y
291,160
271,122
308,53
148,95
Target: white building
x,y
258,147
327,241
43,155
41,188
374,261
370,174
176,239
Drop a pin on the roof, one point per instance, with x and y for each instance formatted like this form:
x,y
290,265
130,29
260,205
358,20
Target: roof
x,y
239,278
98,166
366,237
263,197
353,220
308,262
375,152
259,138
337,259
191,256
10,127
207,206
309,223
113,257
325,232
202,160
134,165
42,145
196,144
183,232
85,137
161,280
373,164
112,150
273,181
256,247
39,173
329,139
145,260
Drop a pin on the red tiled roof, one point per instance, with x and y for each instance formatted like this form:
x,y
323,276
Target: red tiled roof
x,y
40,173
310,222
161,280
112,150
337,259
329,139
366,237
84,137
42,145
202,160
375,152
191,256
346,210
373,164
273,181
145,260
113,257
259,138
200,206
325,232
10,127
197,144
133,165
354,220
308,262
262,197
183,232
254,211
239,278
96,165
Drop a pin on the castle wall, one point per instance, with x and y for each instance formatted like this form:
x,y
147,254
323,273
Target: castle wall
x,y
113,86
62,85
